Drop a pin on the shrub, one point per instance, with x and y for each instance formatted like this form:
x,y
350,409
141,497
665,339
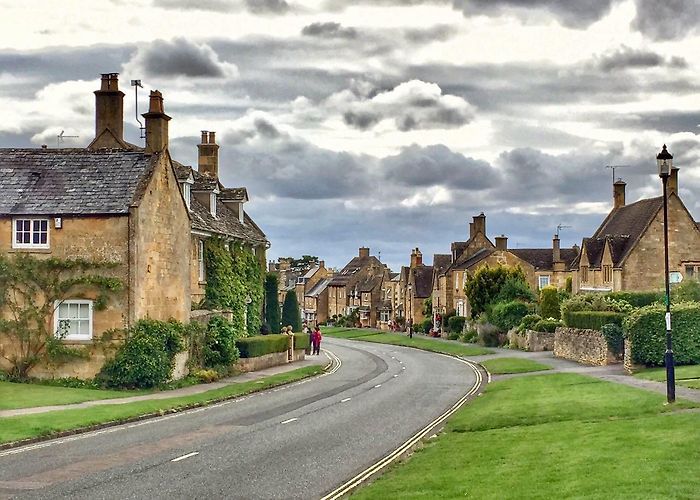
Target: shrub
x,y
507,315
146,358
290,311
272,307
637,299
593,320
549,303
569,284
614,337
484,286
687,291
206,376
456,324
546,325
470,336
425,326
220,343
302,340
453,336
594,302
646,329
265,329
528,322
515,288
259,345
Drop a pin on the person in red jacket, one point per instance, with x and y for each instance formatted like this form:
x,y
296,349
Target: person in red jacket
x,y
316,341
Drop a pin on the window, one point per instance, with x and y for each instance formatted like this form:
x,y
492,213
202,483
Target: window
x,y
187,193
30,233
456,281
200,259
73,320
543,281
212,203
384,316
584,274
460,308
607,274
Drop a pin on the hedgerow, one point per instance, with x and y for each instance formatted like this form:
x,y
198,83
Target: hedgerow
x,y
259,345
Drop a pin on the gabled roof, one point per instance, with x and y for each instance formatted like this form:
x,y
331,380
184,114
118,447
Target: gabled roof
x,y
346,275
423,279
72,181
239,194
543,258
318,288
467,262
369,284
225,223
441,262
309,274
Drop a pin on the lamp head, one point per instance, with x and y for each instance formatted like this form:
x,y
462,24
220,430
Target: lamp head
x,y
664,160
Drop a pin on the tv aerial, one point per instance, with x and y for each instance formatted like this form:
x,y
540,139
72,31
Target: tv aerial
x,y
62,137
613,167
136,84
560,227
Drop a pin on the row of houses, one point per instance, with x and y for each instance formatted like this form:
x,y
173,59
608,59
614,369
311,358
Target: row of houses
x,y
624,253
134,206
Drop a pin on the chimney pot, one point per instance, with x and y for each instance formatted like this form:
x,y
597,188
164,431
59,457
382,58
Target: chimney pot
x,y
480,224
208,162
109,113
212,137
156,124
556,249
205,137
619,193
364,252
501,242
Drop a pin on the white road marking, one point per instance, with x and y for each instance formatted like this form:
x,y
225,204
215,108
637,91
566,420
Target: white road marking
x,y
395,376
185,456
377,386
289,420
403,367
345,400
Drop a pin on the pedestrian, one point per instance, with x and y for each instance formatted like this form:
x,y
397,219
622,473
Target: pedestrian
x,y
316,341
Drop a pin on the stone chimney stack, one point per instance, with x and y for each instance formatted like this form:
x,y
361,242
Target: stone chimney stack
x,y
156,124
480,224
208,155
672,186
109,108
471,230
416,258
364,252
556,249
619,193
501,242
322,264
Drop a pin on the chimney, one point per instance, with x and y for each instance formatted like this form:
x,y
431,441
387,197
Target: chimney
x,y
556,249
208,155
416,258
322,264
480,224
619,193
501,242
672,186
109,110
471,230
156,124
364,252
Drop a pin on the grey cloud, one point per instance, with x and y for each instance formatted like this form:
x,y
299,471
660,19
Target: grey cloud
x,y
208,5
667,19
329,30
662,121
626,57
439,33
274,7
179,57
361,120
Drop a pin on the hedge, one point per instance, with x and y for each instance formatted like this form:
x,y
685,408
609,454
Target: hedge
x,y
646,329
506,315
593,320
259,345
302,341
637,299
546,325
456,324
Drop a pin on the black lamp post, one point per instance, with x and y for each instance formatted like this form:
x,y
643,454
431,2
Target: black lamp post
x,y
664,160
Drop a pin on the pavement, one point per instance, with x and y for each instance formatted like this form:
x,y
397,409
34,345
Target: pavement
x,y
310,360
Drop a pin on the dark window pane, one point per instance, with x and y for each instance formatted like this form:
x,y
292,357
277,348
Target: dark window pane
x,y
42,238
37,225
44,225
35,238
25,238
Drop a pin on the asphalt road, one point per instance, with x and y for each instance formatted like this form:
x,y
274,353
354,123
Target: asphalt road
x,y
298,441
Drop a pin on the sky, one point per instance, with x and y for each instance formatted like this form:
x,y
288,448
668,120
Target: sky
x,y
382,123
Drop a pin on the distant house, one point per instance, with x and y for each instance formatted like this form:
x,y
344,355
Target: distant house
x,y
419,286
316,303
626,251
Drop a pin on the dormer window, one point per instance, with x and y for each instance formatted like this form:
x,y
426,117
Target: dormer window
x,y
212,203
240,213
187,194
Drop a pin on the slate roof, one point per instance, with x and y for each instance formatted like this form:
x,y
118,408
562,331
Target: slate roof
x,y
542,258
318,288
309,274
226,222
423,279
71,181
441,262
234,194
346,275
370,284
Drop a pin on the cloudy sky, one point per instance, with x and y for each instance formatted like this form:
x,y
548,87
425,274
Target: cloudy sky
x,y
385,123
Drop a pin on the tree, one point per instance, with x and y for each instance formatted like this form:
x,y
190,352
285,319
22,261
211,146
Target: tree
x,y
30,291
272,308
428,307
549,303
485,285
290,311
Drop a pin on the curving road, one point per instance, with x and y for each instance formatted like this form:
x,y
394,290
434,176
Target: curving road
x,y
298,441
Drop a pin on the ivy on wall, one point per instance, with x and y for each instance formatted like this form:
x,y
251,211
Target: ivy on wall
x,y
234,277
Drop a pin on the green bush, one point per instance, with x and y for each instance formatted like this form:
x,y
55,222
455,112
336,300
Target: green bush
x,y
259,345
272,307
146,358
220,343
637,299
687,291
528,322
507,315
646,329
549,303
425,326
484,286
515,288
456,324
546,325
302,340
594,302
614,337
291,316
470,336
593,320
453,336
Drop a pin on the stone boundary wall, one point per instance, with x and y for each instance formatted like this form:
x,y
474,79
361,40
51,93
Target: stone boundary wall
x,y
203,316
268,360
630,366
531,341
588,347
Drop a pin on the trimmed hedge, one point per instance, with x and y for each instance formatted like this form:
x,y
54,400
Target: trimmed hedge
x,y
507,315
646,329
456,324
593,320
549,303
302,341
259,345
528,322
637,299
546,325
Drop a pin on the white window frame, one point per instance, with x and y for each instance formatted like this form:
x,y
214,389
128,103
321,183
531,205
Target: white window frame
x,y
200,260
31,233
187,194
57,319
212,203
540,280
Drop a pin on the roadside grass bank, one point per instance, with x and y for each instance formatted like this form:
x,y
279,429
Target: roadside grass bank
x,y
426,344
687,376
55,423
15,395
503,366
555,436
340,332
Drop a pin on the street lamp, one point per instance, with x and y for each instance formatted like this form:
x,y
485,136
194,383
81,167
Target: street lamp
x,y
664,160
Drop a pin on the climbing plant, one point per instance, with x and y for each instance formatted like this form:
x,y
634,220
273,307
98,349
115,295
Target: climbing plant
x,y
30,290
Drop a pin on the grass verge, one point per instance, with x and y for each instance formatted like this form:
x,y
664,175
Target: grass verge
x,y
340,332
500,366
426,344
18,395
687,376
555,436
56,422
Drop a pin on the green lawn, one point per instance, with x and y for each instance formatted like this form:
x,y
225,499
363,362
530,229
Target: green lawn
x,y
555,436
45,424
341,332
15,395
501,366
426,344
687,376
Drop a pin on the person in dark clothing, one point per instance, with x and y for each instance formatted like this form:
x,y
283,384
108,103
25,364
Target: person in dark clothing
x,y
316,341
